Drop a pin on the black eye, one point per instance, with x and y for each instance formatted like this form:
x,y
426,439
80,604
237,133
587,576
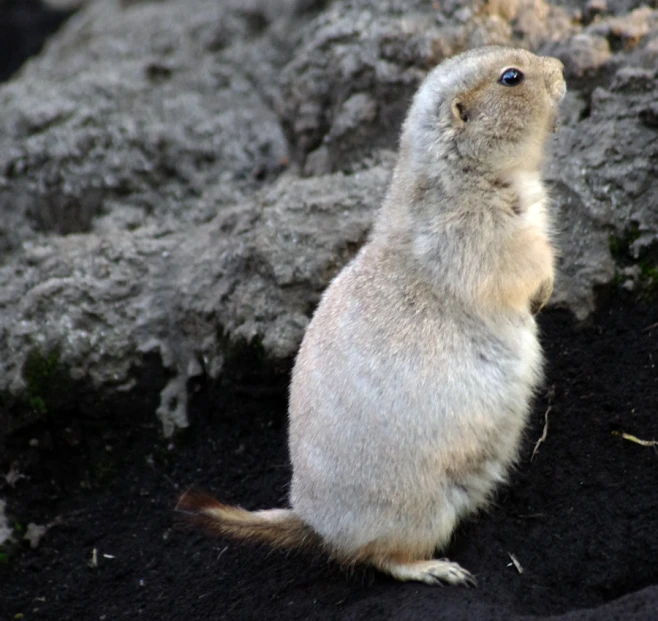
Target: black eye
x,y
511,77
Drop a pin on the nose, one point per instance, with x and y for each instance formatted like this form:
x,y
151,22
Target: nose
x,y
554,72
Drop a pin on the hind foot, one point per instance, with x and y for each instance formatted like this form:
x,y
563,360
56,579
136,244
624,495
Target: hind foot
x,y
431,572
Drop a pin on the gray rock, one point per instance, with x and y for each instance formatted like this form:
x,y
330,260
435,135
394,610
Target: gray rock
x,y
253,273
142,119
605,169
183,183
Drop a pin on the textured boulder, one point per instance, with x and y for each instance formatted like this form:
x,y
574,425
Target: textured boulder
x,y
178,182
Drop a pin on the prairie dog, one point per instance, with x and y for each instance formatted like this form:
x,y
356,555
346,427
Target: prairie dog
x,y
415,376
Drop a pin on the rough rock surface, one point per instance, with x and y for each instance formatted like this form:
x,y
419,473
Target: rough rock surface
x,y
181,183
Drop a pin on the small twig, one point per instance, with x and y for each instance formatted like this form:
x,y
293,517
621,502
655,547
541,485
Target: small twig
x,y
635,439
515,562
543,435
222,552
651,327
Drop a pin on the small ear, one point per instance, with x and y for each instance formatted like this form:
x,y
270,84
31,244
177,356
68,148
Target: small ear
x,y
459,111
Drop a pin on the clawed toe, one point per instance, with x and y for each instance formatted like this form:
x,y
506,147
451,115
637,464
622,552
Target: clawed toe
x,y
468,580
452,573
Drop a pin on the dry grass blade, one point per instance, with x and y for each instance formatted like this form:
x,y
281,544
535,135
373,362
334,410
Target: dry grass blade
x,y
515,562
635,439
543,435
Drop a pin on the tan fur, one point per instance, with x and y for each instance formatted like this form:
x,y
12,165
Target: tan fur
x,y
414,380
278,527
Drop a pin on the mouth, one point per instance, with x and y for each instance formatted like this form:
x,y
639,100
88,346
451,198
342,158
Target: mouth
x,y
558,97
554,120
563,92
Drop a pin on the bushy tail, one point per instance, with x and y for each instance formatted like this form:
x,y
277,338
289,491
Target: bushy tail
x,y
281,528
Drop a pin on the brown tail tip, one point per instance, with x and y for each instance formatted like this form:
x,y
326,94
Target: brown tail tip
x,y
196,509
194,502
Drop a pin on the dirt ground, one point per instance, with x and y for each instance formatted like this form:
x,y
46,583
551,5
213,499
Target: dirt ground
x,y
581,518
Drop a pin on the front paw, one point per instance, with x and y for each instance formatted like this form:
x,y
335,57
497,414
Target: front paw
x,y
541,296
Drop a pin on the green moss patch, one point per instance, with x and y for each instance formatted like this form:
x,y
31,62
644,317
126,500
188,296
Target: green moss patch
x,y
46,380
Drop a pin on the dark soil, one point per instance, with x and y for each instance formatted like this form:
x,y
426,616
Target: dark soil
x,y
581,518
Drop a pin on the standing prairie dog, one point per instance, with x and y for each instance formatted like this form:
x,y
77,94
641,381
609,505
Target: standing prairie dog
x,y
414,379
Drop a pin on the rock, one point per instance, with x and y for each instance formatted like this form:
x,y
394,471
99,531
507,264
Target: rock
x,y
34,533
182,184
620,177
6,531
626,31
631,277
593,9
144,130
253,273
358,65
582,55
